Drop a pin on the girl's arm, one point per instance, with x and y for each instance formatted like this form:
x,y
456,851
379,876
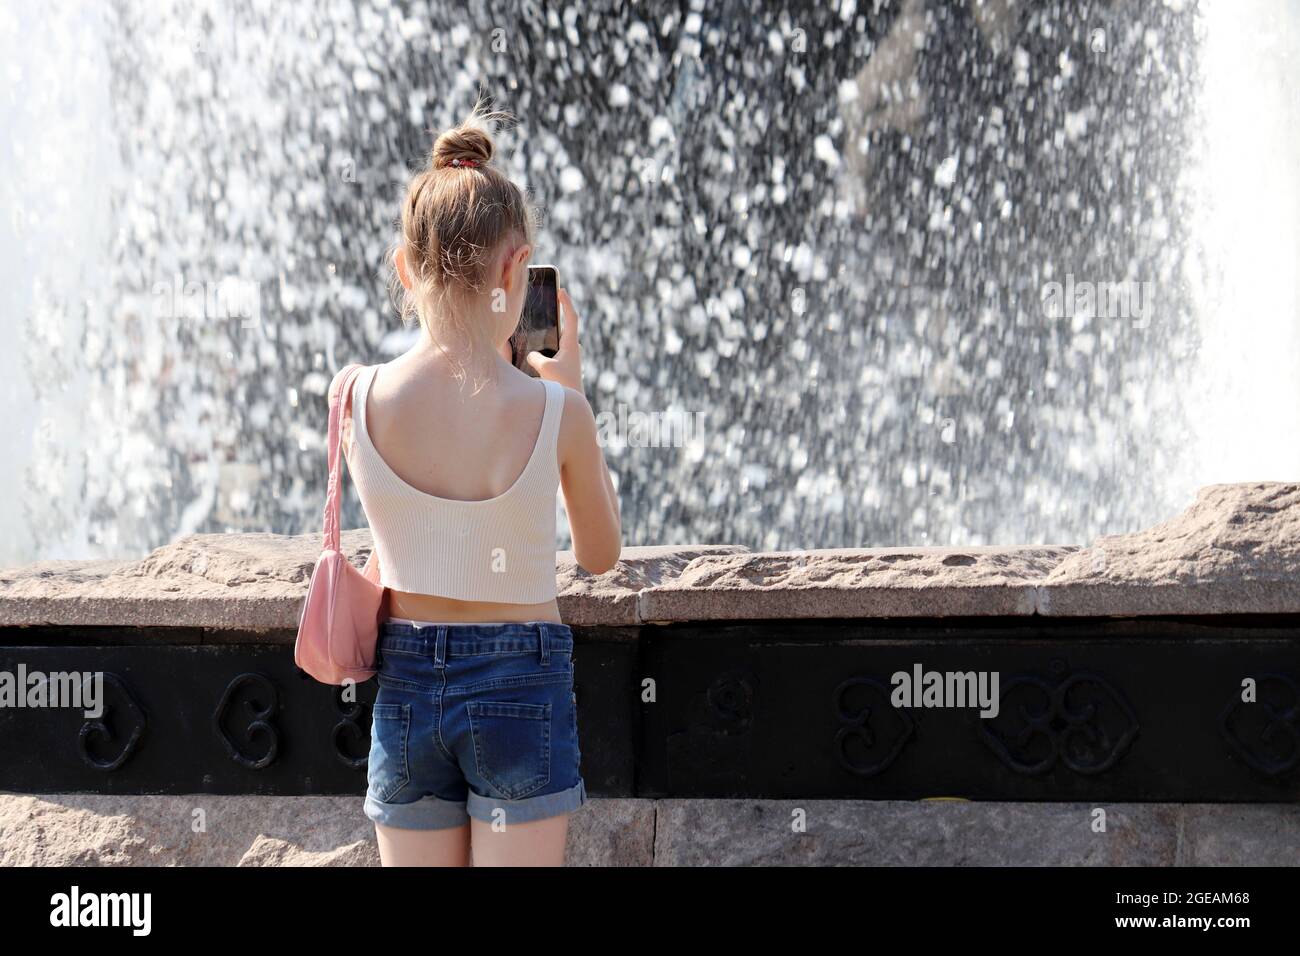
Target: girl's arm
x,y
589,495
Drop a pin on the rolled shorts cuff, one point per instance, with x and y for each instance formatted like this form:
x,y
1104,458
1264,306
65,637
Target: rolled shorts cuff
x,y
427,813
530,808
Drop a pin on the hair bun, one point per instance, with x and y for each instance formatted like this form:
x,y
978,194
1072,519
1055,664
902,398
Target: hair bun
x,y
467,142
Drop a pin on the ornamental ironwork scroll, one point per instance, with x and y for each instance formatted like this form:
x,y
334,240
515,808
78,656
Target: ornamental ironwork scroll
x,y
348,727
873,732
1265,733
1080,720
111,719
731,701
262,706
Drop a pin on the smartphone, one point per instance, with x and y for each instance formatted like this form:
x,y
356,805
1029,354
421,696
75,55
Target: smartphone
x,y
539,325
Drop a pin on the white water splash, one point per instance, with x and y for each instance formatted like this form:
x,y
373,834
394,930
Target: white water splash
x,y
1246,390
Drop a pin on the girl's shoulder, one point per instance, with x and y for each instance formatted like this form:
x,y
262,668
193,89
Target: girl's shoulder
x,y
575,403
577,421
337,381
346,424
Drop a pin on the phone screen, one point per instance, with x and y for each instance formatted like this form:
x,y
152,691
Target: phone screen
x,y
539,325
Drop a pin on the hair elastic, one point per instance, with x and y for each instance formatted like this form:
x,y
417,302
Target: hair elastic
x,y
472,163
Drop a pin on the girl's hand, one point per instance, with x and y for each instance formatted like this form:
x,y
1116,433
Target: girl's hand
x,y
566,366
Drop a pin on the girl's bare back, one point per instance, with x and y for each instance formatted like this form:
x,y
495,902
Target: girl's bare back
x,y
445,441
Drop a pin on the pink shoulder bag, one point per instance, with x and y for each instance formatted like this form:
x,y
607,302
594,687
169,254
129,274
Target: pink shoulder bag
x,y
340,618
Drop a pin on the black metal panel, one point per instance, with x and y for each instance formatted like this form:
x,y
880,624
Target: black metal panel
x,y
607,711
241,718
1089,711
185,719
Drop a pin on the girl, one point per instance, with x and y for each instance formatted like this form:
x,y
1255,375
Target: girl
x,y
456,456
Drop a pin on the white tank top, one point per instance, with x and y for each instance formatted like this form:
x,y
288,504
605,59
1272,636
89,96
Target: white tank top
x,y
496,549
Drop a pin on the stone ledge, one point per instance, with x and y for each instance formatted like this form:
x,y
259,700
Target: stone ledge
x,y
1235,551
101,830
613,598
250,582
858,583
257,582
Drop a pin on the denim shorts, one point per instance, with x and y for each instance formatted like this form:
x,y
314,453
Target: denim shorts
x,y
473,720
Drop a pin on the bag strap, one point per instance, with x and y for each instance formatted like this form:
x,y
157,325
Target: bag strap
x,y
339,400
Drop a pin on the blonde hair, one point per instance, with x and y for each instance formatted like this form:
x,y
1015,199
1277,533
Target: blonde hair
x,y
458,210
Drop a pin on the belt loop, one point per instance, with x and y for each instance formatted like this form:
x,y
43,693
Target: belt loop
x,y
542,631
440,647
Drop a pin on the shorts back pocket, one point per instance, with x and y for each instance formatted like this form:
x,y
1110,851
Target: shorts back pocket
x,y
512,746
389,770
